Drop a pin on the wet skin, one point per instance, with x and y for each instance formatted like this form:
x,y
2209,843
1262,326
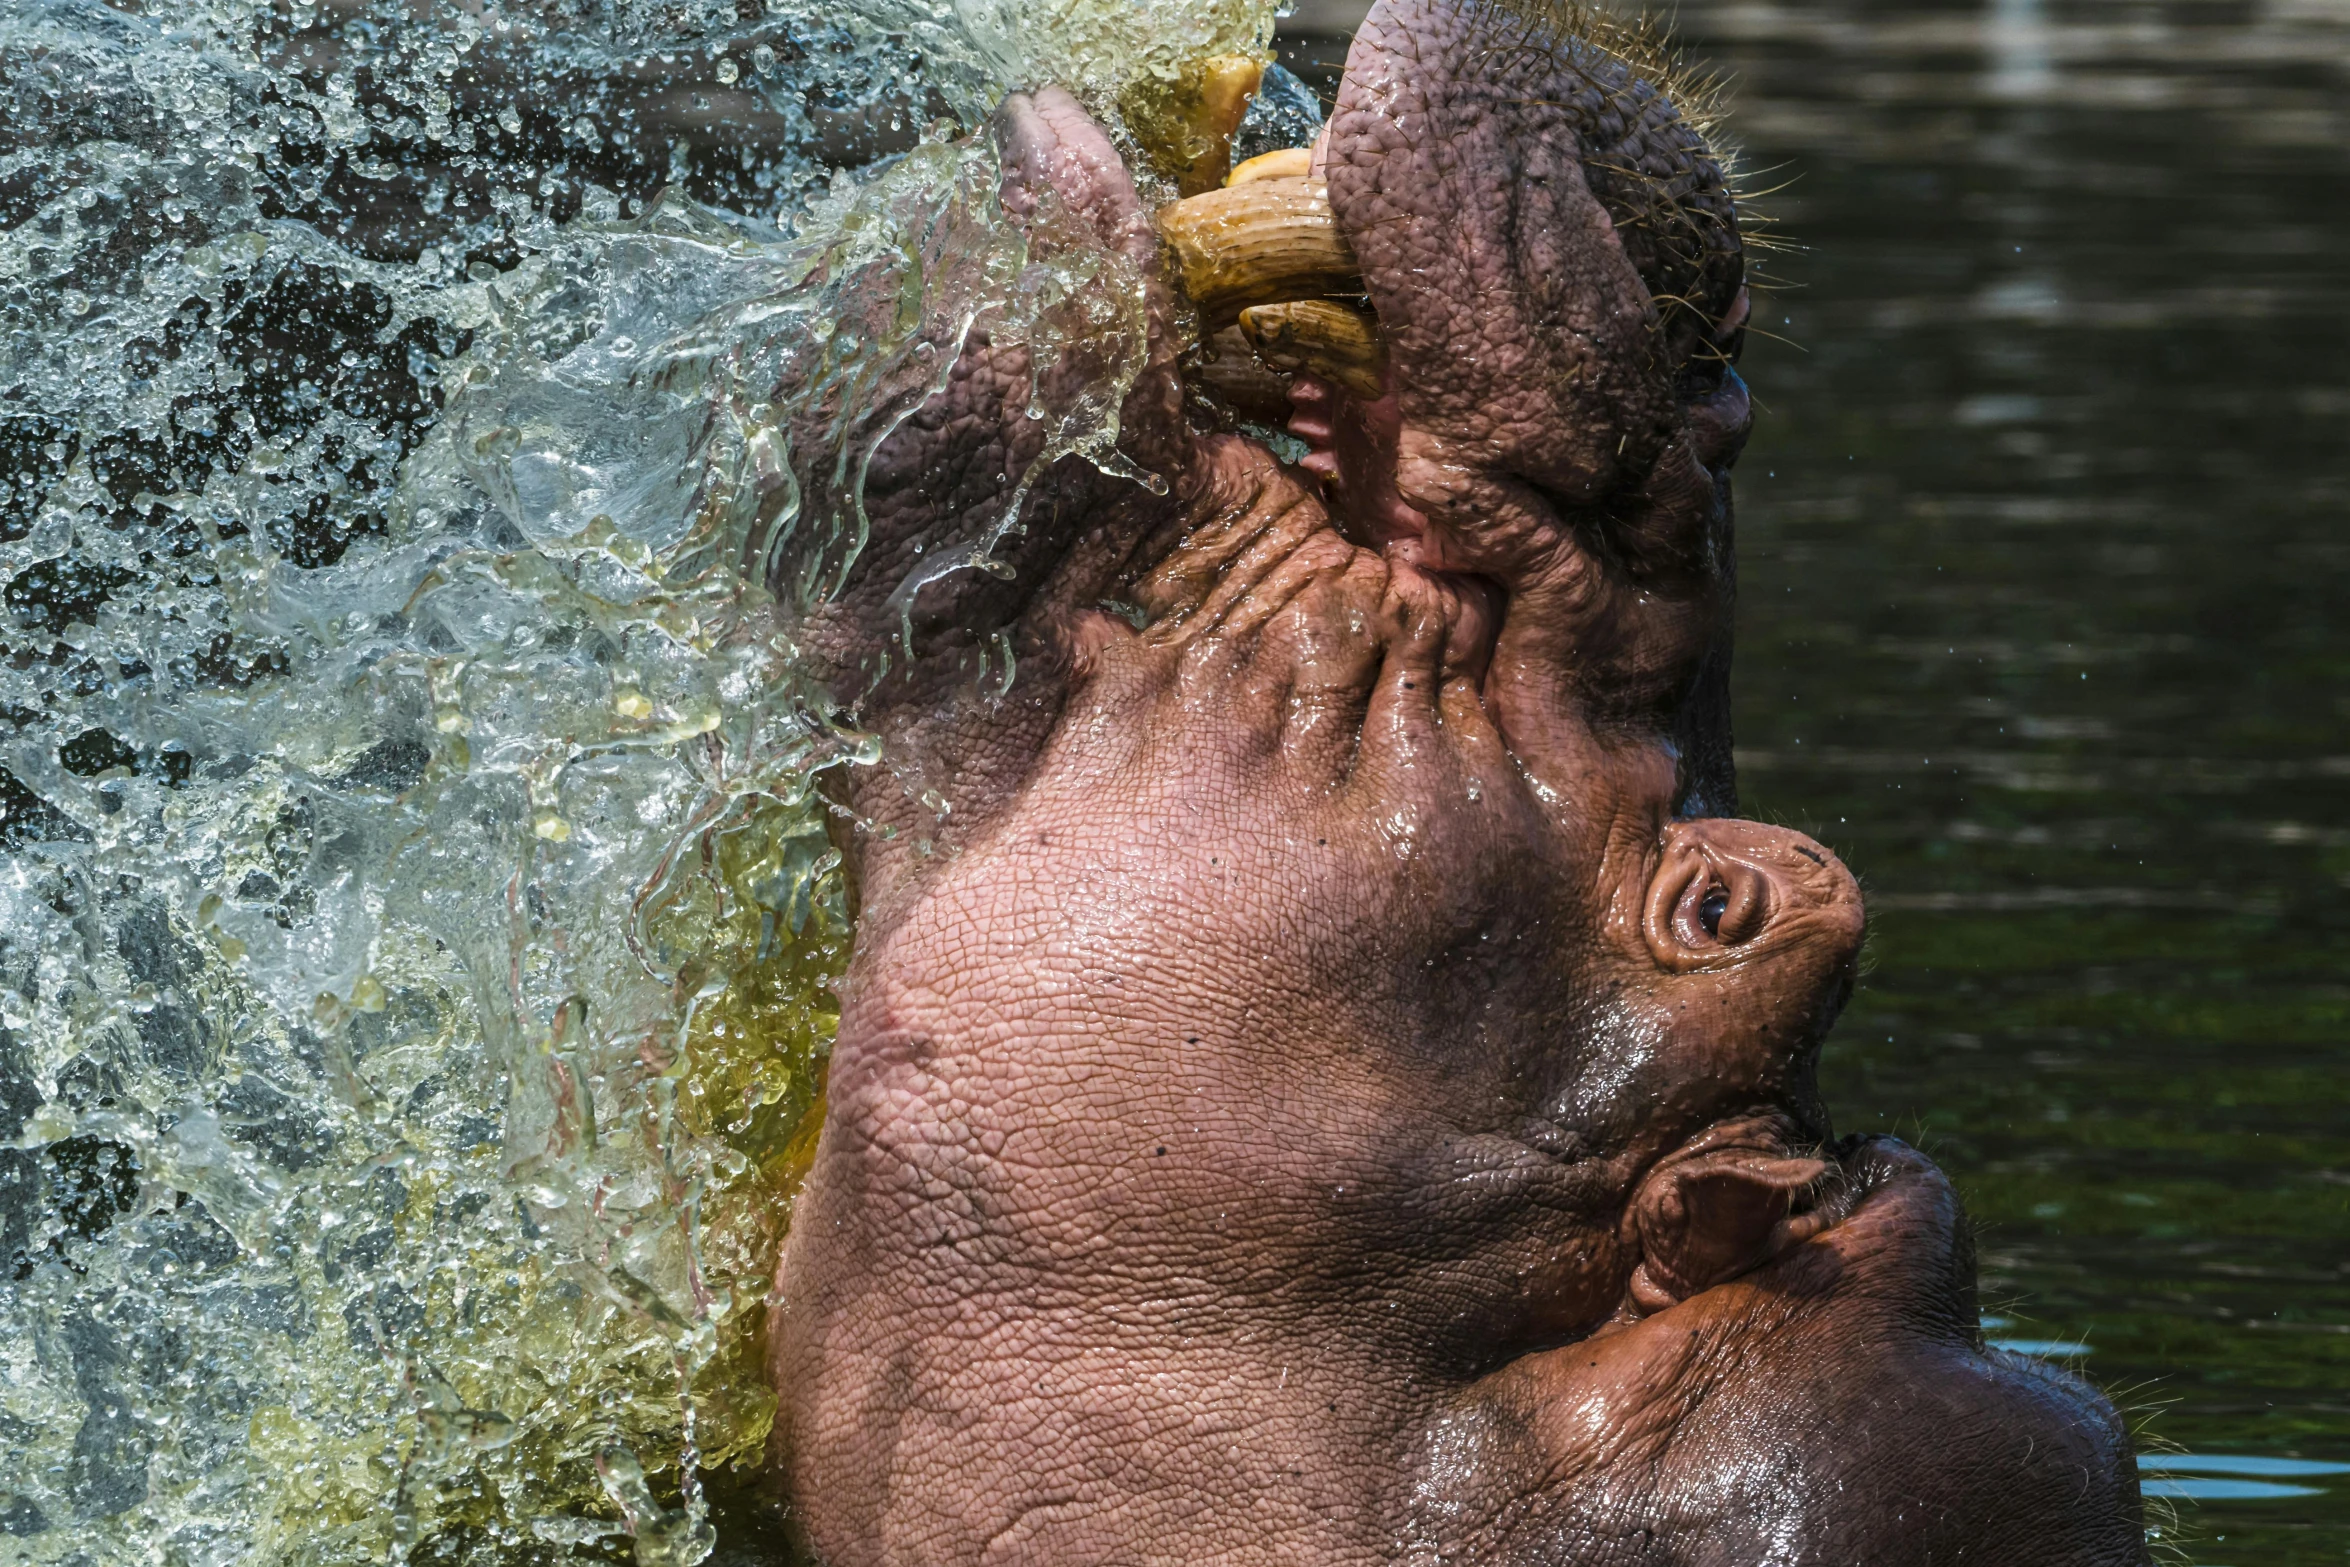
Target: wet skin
x,y
1321,1093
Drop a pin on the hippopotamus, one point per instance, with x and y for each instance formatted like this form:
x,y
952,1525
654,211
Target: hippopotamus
x,y
1323,1078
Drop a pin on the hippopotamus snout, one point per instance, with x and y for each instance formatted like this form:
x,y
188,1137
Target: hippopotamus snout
x,y
1320,1081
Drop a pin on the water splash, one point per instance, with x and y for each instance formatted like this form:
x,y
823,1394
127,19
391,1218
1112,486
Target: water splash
x,y
415,913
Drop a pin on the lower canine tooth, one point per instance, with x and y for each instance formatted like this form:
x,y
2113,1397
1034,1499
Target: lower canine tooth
x,y
1269,239
1226,85
1319,337
1290,163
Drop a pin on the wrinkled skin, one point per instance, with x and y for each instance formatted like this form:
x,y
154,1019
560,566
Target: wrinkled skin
x,y
1327,1091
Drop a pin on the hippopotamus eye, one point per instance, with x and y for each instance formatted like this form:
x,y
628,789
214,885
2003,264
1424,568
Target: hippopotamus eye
x,y
1710,912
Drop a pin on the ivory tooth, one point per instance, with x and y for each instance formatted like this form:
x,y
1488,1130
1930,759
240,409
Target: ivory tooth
x,y
1227,84
1186,125
1258,243
1319,337
1290,163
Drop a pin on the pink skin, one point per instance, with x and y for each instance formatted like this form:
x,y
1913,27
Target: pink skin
x,y
1352,448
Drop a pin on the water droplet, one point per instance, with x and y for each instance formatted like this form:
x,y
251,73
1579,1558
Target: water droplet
x,y
441,563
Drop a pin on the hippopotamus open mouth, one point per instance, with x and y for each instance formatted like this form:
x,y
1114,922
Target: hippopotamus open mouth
x,y
1318,1082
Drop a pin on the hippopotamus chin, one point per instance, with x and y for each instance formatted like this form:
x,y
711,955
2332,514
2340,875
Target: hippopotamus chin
x,y
1318,1082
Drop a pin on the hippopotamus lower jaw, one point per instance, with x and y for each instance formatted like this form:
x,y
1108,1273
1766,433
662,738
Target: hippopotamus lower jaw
x,y
1833,1404
1513,278
1829,1404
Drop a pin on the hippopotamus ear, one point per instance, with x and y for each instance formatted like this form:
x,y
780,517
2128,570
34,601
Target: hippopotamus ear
x,y
1704,1217
912,549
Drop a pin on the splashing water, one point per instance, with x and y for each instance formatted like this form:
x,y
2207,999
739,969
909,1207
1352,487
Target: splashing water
x,y
414,912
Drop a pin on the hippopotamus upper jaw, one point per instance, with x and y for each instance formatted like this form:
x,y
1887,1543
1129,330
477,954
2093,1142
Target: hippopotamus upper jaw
x,y
1553,257
1460,163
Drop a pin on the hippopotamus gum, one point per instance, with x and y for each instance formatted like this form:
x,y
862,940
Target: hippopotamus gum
x,y
1344,1093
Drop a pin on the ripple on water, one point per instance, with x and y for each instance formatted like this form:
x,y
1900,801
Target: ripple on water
x,y
2222,1477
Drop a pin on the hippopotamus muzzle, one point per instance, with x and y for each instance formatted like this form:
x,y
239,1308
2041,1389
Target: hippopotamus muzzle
x,y
1322,1080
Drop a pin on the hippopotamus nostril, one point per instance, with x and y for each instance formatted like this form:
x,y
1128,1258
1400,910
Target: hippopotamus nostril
x,y
1715,892
1727,901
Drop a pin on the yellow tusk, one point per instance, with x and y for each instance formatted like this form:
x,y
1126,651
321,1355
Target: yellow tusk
x,y
1227,83
1290,163
1255,244
1322,338
1185,125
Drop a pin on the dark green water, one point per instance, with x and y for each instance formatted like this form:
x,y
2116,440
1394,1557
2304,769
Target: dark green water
x,y
2046,627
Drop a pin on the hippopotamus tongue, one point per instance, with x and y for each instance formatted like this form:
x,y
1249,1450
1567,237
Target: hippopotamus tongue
x,y
1546,238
